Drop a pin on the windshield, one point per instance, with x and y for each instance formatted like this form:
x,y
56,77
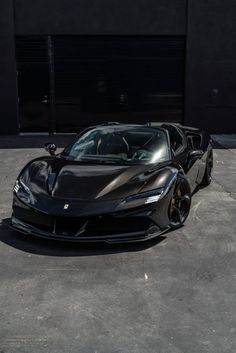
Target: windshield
x,y
120,145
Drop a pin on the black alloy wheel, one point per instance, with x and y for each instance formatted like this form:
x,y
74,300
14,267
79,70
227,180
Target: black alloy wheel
x,y
180,202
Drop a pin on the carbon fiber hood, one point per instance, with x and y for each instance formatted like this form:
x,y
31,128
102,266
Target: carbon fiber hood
x,y
61,179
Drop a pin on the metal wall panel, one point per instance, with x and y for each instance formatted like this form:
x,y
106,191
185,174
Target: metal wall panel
x,y
109,17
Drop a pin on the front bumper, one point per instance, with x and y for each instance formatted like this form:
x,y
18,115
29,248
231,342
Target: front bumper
x,y
123,226
136,236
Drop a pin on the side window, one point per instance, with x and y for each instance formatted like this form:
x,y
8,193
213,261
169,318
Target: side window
x,y
194,141
177,141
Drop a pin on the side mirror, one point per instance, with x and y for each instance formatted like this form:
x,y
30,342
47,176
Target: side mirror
x,y
51,148
196,154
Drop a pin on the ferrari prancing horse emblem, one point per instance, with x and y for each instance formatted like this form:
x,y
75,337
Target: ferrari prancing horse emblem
x,y
66,206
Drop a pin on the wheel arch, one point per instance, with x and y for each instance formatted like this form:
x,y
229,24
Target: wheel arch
x,y
161,213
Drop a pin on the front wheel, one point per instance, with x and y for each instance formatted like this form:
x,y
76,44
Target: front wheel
x,y
180,202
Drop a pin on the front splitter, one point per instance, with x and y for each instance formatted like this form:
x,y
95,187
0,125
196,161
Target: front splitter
x,y
141,236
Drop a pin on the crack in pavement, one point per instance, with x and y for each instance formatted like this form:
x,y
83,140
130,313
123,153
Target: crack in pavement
x,y
231,194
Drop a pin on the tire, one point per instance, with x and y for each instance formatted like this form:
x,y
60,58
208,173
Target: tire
x,y
180,202
208,171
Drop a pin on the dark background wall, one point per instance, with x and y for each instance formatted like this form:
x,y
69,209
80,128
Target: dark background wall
x,y
8,92
209,25
210,97
100,17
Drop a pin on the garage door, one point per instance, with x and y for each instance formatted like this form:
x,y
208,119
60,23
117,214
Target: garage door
x,y
125,79
86,80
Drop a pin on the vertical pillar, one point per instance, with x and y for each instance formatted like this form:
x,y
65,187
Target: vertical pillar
x,y
8,74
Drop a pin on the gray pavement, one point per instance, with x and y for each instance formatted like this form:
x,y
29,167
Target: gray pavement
x,y
173,295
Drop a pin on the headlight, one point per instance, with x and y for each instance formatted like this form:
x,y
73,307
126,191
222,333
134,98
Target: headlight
x,y
22,191
147,197
20,186
16,186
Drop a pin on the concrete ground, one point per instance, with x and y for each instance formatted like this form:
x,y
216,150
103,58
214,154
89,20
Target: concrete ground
x,y
173,295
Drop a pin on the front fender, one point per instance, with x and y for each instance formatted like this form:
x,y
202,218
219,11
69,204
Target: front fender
x,y
163,178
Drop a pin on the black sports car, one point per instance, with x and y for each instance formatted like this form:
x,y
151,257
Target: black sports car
x,y
114,183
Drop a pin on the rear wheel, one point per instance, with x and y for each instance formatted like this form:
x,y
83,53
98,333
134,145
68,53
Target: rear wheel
x,y
180,202
208,171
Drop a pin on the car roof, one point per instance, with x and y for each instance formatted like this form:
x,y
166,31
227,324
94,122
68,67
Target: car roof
x,y
177,125
159,125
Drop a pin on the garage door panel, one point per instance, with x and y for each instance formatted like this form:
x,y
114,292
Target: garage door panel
x,y
111,75
92,79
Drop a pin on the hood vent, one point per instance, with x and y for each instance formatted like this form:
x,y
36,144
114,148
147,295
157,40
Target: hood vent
x,y
51,181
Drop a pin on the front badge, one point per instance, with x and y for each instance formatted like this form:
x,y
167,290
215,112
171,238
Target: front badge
x,y
66,206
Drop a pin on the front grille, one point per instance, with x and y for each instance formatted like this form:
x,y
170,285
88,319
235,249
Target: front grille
x,y
34,218
83,226
68,226
100,226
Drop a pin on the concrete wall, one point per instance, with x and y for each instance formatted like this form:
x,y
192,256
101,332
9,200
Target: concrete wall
x,y
100,17
211,65
8,91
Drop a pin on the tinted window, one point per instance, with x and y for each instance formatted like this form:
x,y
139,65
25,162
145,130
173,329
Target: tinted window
x,y
176,138
123,144
194,141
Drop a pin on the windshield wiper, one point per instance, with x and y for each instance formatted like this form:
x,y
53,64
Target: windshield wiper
x,y
102,161
94,160
112,161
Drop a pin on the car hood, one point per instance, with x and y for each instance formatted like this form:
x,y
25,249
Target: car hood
x,y
69,180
